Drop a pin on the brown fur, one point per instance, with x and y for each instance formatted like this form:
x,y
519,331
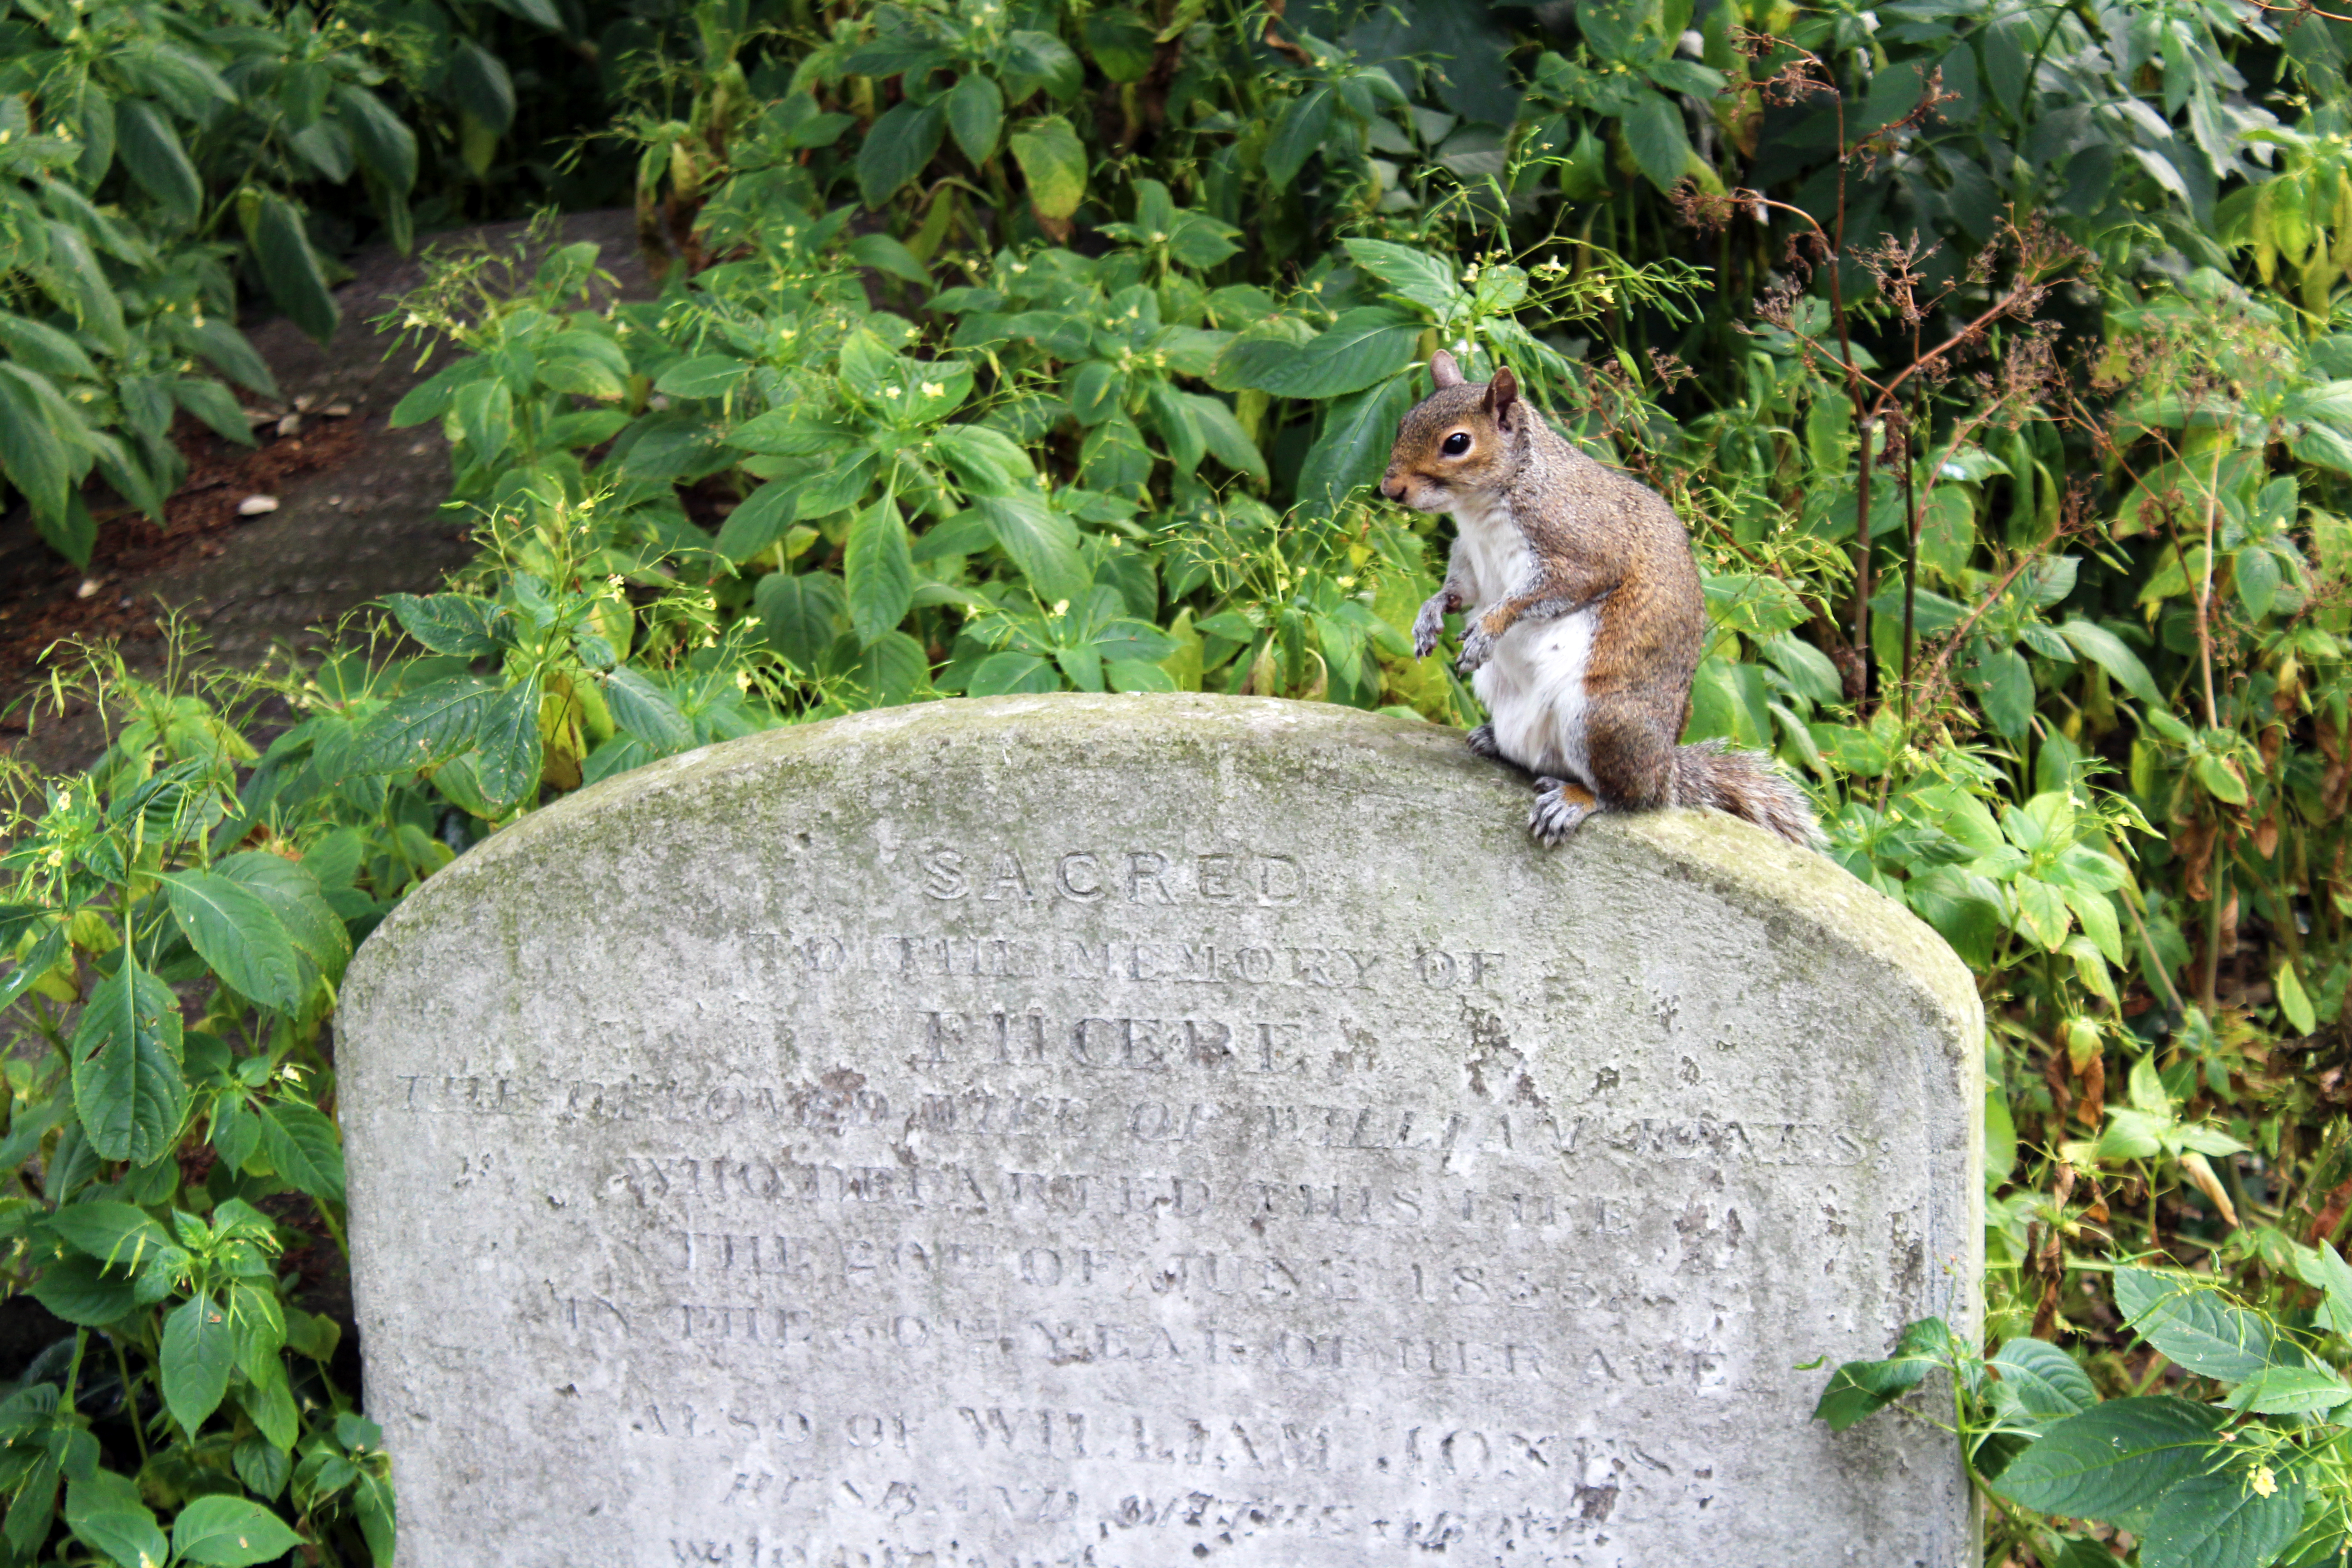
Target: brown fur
x,y
1594,537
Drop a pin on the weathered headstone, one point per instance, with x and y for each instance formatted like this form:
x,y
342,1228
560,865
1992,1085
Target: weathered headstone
x,y
1132,1130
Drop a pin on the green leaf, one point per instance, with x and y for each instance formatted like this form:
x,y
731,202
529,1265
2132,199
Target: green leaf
x,y
1053,163
304,1147
151,150
880,570
290,268
230,1533
239,936
127,1086
2216,776
1363,347
1654,133
41,347
1306,120
760,521
2323,1268
384,141
294,895
33,453
976,116
884,254
420,728
1354,446
485,410
1227,441
2109,652
897,148
111,1232
646,712
802,614
107,1512
211,402
2289,1390
2199,1328
84,1291
2293,1001
1861,1388
1426,280
2041,1381
199,1348
509,755
461,623
1122,43
91,298
2219,1520
892,669
2114,1457
704,376
1041,541
480,85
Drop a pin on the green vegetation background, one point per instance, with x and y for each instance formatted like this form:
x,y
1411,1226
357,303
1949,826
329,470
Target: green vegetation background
x,y
1996,351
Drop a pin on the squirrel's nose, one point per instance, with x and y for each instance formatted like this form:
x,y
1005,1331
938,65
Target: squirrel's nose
x,y
1393,488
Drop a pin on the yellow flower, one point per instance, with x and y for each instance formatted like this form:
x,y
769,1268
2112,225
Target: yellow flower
x,y
933,389
2264,1483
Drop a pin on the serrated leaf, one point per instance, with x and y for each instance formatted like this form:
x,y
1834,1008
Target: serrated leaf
x,y
304,1147
1053,164
2199,1328
879,569
199,1348
295,895
460,623
1425,279
646,712
420,728
1304,121
2042,1381
2114,1457
290,268
801,613
151,150
2108,652
976,116
1654,133
84,1291
1860,1388
1353,446
704,376
897,148
107,1513
109,1231
384,141
1363,348
230,1533
2222,1519
480,85
127,1086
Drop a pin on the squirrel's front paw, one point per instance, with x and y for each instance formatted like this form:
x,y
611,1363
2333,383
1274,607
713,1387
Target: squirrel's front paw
x,y
1477,647
1560,809
1482,743
1429,626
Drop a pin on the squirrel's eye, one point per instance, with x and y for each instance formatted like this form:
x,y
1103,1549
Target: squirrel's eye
x,y
1456,443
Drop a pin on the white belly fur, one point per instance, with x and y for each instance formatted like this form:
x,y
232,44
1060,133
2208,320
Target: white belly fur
x,y
1533,688
1533,685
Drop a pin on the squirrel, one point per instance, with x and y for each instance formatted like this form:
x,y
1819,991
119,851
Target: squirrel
x,y
1588,617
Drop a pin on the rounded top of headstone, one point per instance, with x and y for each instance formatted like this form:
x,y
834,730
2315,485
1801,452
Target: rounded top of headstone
x,y
1263,748
1142,1129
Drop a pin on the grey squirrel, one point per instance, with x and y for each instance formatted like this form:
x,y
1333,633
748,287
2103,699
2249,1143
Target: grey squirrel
x,y
1589,619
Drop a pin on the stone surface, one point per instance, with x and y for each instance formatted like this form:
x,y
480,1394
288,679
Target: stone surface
x,y
1137,1130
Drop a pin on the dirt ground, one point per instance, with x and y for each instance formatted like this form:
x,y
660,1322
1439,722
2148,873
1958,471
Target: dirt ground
x,y
359,512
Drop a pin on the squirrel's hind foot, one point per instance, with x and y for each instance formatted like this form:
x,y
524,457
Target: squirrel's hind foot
x,y
1560,809
1481,742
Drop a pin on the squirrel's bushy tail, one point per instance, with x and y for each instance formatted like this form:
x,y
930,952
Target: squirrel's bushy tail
x,y
1747,786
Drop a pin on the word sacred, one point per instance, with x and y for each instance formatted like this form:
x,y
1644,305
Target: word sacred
x,y
1124,875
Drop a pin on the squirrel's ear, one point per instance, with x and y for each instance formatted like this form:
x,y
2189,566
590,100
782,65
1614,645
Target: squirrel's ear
x,y
1444,371
1501,392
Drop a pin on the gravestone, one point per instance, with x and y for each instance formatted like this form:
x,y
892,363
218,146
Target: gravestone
x,y
1132,1130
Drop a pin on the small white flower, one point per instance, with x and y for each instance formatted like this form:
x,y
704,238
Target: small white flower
x,y
889,392
933,389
